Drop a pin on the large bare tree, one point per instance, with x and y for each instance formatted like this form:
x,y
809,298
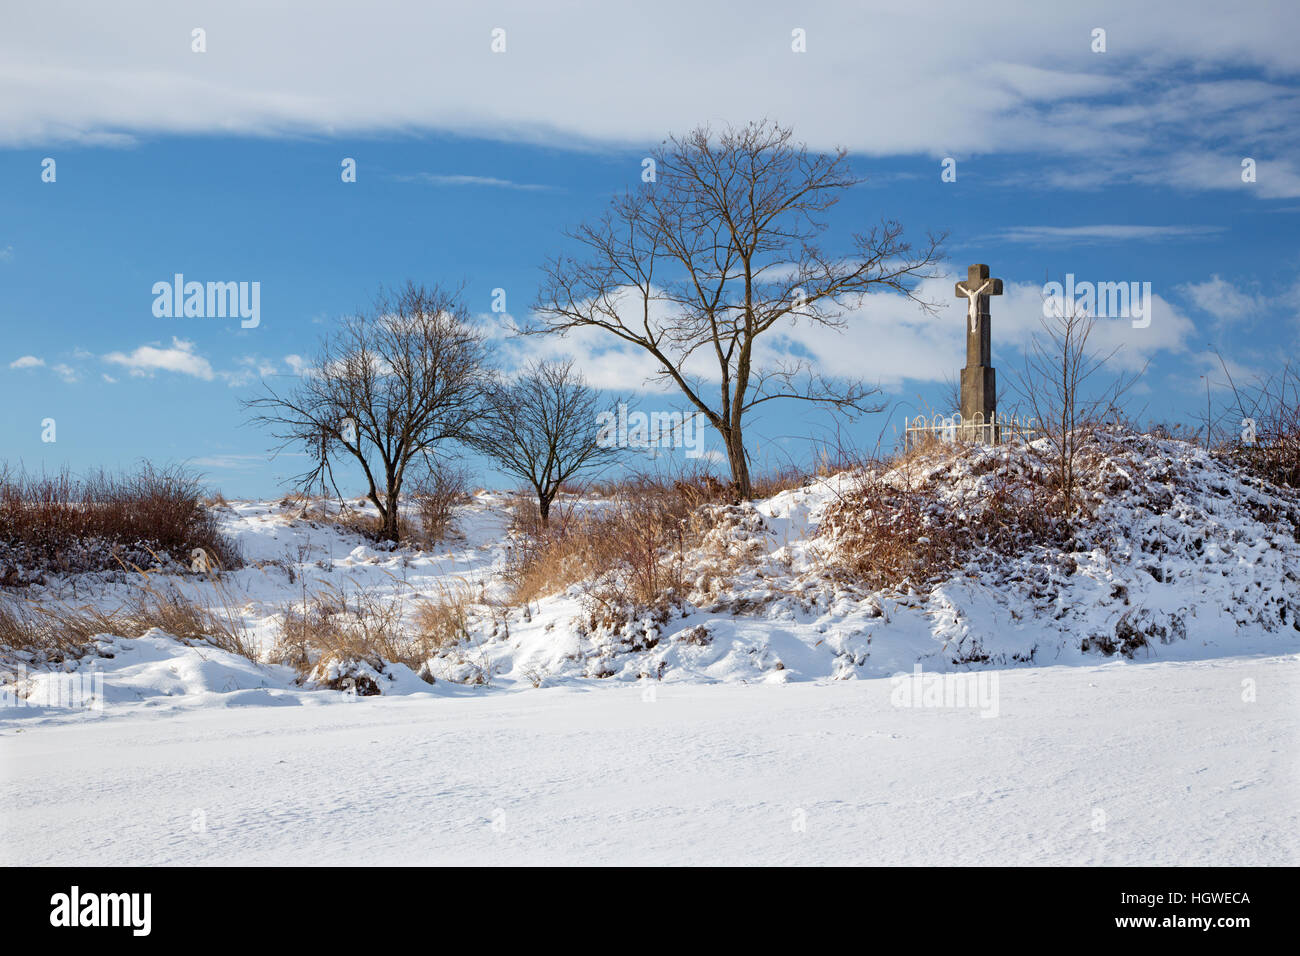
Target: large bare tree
x,y
722,248
385,391
543,428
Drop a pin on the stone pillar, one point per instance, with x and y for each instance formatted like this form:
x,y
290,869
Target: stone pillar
x,y
978,379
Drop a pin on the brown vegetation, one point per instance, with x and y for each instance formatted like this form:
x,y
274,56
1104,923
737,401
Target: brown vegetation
x,y
53,632
150,518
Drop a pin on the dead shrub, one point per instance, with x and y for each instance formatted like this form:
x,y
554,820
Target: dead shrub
x,y
336,626
436,498
639,546
153,517
628,550
356,625
1273,406
887,534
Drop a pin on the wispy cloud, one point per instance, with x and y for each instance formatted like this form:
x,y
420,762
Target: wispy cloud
x,y
442,179
61,369
229,462
1224,301
1231,303
249,368
1083,235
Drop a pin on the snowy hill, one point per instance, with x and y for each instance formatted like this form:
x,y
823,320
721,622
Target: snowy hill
x,y
1183,558
1141,667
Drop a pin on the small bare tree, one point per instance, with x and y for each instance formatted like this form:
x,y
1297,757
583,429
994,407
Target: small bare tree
x,y
1059,385
721,249
1269,411
544,429
385,391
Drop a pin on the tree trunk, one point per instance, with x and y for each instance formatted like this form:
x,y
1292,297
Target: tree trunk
x,y
389,531
736,459
544,509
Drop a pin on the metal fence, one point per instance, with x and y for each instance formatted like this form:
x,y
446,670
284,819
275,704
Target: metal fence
x,y
953,428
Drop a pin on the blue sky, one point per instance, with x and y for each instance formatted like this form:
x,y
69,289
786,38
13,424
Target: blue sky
x,y
225,166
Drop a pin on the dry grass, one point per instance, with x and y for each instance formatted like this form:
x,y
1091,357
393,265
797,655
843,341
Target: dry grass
x,y
365,524
66,524
341,626
627,550
443,623
334,622
50,633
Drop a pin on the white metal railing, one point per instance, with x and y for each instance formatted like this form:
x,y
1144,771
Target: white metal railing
x,y
953,428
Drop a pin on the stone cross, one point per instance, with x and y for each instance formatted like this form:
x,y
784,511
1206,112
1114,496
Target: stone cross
x,y
978,381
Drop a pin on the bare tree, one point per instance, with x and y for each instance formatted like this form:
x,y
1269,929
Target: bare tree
x,y
1058,384
385,391
543,428
720,249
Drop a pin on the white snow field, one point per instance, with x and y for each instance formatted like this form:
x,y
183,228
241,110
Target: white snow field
x,y
1129,698
1120,763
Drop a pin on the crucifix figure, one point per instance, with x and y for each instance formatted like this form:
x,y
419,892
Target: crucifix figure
x,y
973,295
978,382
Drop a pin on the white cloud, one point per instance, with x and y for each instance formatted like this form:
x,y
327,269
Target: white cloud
x,y
230,462
250,368
437,179
1224,301
1168,103
887,341
1083,235
148,359
61,369
6,253
1211,365
891,342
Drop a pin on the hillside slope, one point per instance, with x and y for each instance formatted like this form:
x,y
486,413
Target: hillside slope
x,y
1183,558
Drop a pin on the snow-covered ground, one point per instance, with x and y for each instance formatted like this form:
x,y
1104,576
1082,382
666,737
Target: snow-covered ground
x,y
1131,697
1182,562
1120,763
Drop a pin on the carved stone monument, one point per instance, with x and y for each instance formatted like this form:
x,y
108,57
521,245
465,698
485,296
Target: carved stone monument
x,y
978,380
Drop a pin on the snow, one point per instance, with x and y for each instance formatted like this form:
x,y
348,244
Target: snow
x,y
1119,763
1138,691
1179,565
